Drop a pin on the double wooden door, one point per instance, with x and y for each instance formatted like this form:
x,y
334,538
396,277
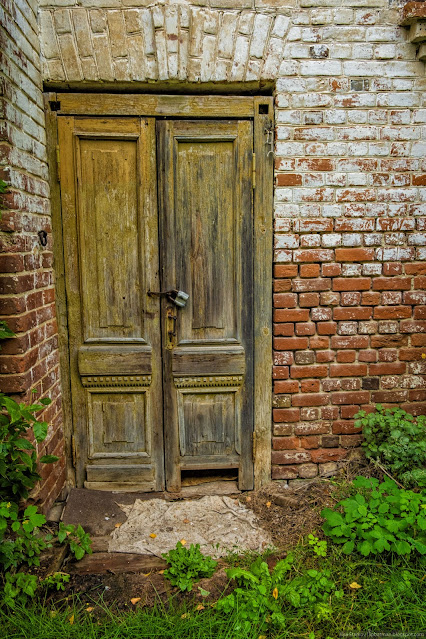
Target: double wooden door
x,y
150,207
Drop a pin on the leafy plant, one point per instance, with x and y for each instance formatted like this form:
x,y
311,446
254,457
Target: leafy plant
x,y
18,456
56,580
5,331
397,440
19,538
187,565
79,541
257,593
21,541
387,518
18,588
3,186
319,547
261,593
313,588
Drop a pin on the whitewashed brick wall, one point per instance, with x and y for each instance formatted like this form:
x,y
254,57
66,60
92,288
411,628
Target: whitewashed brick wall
x,y
27,294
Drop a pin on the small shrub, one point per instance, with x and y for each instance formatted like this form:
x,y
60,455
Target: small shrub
x,y
398,441
18,456
21,541
78,540
387,518
187,565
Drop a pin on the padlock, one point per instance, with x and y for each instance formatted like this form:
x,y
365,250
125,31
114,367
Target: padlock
x,y
181,299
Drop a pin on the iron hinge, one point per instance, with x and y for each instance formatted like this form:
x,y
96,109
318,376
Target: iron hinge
x,y
73,451
254,171
253,445
58,164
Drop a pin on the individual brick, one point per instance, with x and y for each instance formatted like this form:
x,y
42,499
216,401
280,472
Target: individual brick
x,y
324,455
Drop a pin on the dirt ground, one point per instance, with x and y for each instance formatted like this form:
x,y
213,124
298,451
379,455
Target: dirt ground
x,y
287,513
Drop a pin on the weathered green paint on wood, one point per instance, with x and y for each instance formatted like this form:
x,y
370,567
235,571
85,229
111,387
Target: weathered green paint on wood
x,y
119,341
205,196
111,258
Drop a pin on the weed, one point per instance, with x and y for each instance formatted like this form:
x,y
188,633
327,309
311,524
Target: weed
x,y
18,588
397,440
187,565
5,332
387,518
318,547
56,580
18,456
261,593
79,541
19,538
21,541
257,592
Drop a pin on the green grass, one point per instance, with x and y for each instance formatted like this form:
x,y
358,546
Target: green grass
x,y
157,623
391,598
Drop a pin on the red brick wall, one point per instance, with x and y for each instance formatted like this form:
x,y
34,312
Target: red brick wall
x,y
27,294
349,321
350,222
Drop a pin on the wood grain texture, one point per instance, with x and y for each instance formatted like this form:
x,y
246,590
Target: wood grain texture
x,y
221,360
130,486
60,287
131,473
177,106
205,173
101,563
211,234
113,359
111,256
262,288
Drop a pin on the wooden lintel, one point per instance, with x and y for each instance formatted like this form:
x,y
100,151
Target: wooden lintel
x,y
176,106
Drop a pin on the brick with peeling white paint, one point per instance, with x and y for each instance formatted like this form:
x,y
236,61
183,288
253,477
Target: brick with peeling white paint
x,y
240,58
260,35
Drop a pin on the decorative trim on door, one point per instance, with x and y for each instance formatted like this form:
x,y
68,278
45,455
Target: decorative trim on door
x,y
114,380
216,380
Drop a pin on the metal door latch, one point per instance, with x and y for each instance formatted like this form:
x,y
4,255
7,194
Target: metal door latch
x,y
177,297
269,133
171,328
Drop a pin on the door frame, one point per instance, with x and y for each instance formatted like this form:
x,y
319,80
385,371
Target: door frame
x,y
260,110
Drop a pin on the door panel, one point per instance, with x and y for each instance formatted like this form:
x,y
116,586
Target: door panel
x,y
205,195
108,174
121,422
205,224
110,251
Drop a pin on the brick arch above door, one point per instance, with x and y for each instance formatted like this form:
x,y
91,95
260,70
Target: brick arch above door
x,y
164,42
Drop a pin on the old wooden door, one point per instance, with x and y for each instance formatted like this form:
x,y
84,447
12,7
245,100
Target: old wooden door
x,y
158,388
